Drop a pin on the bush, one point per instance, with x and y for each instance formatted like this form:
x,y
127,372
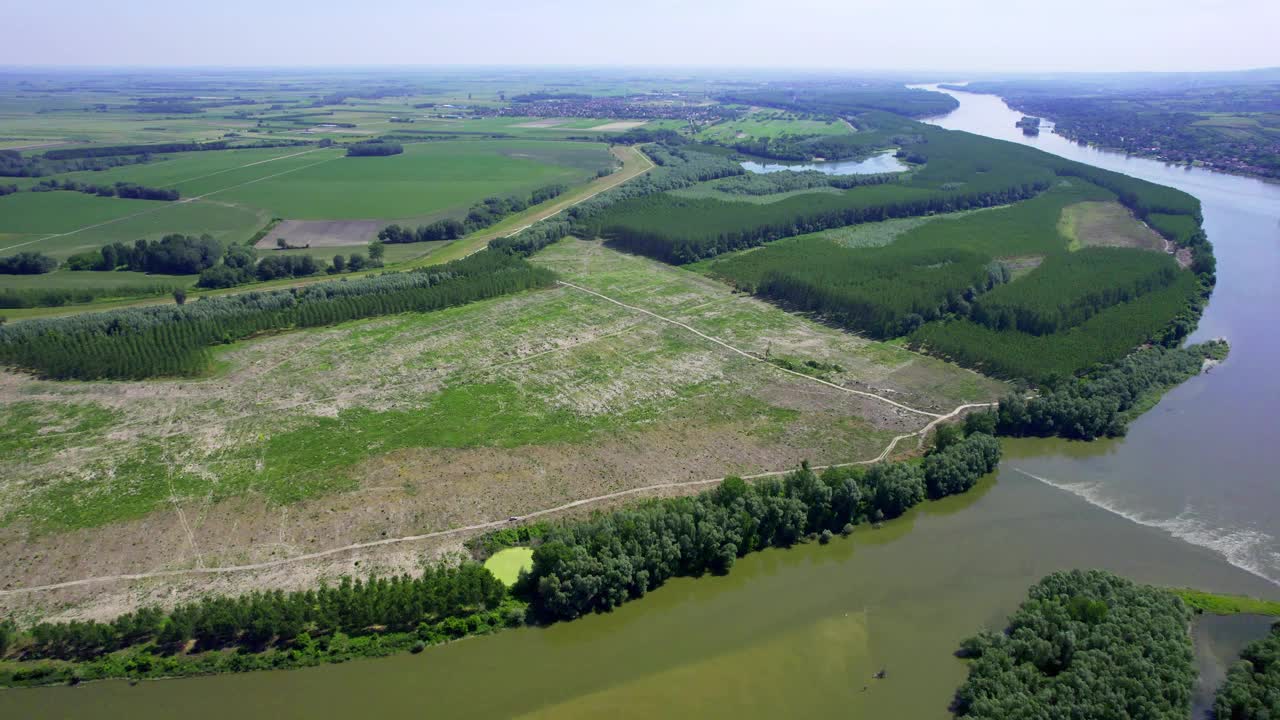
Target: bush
x,y
27,263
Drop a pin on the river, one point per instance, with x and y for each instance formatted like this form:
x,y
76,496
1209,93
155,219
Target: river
x,y
1188,498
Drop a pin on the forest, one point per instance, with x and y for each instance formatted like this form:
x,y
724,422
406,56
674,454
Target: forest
x,y
268,630
885,291
1085,644
1102,403
175,340
130,191
1165,316
842,101
1252,688
596,564
1053,297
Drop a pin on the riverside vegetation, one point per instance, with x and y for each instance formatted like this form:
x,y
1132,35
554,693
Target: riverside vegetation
x,y
578,567
1084,644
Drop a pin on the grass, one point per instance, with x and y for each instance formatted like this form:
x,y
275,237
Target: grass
x,y
1218,604
1106,224
507,564
771,124
426,180
315,414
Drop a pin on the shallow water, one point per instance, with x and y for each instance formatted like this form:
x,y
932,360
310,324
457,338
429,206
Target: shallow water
x,y
883,163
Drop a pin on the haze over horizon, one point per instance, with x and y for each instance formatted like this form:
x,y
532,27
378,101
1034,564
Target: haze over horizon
x,y
1094,36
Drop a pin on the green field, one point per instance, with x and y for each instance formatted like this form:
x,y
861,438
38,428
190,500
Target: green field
x,y
506,564
559,378
771,124
428,179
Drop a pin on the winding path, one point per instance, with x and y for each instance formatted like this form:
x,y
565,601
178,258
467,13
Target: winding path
x,y
494,524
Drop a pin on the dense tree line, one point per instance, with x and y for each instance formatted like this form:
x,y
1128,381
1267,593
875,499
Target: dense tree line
x,y
1066,290
96,151
173,340
533,238
1102,403
845,100
27,263
1252,688
57,297
479,216
261,619
15,164
126,190
374,148
174,254
597,564
580,566
1085,644
267,630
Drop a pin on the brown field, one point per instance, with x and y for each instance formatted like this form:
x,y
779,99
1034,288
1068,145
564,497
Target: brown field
x,y
322,233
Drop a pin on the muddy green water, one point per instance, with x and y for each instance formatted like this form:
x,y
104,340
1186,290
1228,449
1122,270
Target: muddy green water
x,y
1189,498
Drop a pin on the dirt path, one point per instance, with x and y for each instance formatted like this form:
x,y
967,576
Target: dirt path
x,y
750,356
491,525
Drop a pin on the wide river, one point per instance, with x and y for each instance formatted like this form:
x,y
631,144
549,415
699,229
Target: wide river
x,y
1188,498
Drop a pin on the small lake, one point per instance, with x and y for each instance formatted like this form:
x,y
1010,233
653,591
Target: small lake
x,y
885,162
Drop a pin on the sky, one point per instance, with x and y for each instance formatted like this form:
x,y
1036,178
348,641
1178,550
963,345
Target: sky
x,y
961,35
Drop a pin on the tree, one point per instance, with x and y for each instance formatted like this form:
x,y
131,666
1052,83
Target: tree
x,y
355,262
282,243
376,250
339,263
180,296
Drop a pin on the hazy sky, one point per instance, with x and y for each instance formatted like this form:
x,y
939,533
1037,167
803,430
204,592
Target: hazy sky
x,y
1091,35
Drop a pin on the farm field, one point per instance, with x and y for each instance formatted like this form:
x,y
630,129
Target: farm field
x,y
414,423
771,124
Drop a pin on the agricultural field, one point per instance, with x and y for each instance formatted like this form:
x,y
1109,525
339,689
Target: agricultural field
x,y
415,423
772,124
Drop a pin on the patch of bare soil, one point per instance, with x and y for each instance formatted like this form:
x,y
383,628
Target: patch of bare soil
x,y
322,233
619,125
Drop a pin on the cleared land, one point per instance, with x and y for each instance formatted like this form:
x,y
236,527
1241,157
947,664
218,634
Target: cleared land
x,y
1106,224
415,423
322,233
770,124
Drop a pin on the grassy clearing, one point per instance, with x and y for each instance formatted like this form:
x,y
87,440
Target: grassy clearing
x,y
772,124
507,564
405,402
1218,604
1106,224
